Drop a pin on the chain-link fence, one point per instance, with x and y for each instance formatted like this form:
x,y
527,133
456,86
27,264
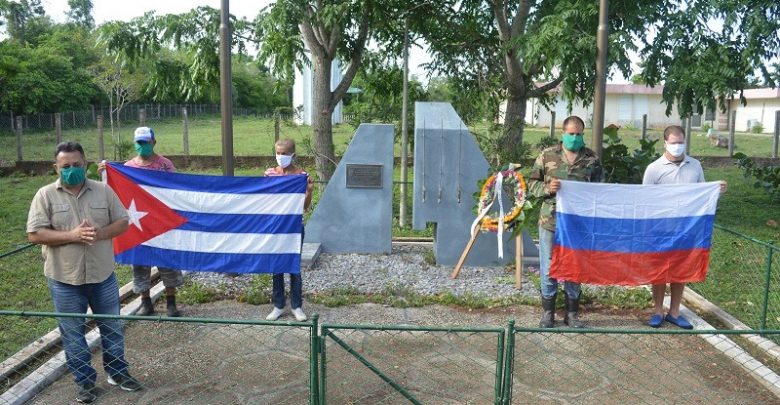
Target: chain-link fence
x,y
379,365
743,278
181,129
177,361
216,361
634,367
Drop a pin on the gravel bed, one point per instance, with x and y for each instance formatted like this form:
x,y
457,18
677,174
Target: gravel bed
x,y
405,269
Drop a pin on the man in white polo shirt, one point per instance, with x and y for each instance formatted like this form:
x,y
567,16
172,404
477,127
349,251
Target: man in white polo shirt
x,y
673,167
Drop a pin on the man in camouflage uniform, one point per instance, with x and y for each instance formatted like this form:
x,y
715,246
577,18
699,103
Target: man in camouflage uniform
x,y
569,160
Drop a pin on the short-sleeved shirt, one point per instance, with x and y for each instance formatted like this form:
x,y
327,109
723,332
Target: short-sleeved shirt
x,y
664,171
55,208
552,163
158,162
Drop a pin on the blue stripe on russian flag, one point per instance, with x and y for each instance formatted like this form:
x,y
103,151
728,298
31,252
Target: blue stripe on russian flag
x,y
213,262
633,235
237,223
215,184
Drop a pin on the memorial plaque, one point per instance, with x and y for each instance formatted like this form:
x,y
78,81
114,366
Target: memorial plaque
x,y
364,176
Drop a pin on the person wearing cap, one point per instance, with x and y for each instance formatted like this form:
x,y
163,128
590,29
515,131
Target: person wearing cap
x,y
146,158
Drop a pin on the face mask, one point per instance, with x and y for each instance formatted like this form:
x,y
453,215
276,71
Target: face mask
x,y
675,149
73,175
284,160
144,149
573,142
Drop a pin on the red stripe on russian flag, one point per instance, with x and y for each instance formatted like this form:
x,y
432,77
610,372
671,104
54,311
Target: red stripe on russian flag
x,y
629,269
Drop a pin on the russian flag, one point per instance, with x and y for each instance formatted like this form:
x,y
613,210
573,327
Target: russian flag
x,y
633,234
210,223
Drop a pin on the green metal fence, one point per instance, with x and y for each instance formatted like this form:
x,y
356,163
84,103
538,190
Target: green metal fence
x,y
216,361
744,278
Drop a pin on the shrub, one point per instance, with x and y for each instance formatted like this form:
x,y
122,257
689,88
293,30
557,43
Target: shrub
x,y
767,177
757,128
622,166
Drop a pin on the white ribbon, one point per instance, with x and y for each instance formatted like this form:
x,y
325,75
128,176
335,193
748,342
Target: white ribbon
x,y
498,190
497,195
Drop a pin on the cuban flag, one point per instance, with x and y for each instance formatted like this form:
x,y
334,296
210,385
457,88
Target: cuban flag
x,y
210,223
633,234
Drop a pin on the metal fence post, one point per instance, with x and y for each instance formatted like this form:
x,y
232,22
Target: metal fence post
x,y
509,361
19,138
769,252
101,146
776,138
552,124
323,384
186,138
688,135
732,128
313,364
500,350
644,127
58,126
142,117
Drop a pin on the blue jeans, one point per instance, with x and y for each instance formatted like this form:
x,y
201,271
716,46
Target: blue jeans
x,y
103,298
549,286
296,287
296,290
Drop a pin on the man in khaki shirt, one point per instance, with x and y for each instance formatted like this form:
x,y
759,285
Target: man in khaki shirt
x,y
75,219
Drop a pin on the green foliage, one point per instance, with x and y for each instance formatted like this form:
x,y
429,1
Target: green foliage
x,y
757,128
258,291
622,166
766,177
701,65
706,127
194,293
546,142
617,297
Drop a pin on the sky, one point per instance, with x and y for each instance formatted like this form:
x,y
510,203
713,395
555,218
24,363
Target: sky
x,y
111,10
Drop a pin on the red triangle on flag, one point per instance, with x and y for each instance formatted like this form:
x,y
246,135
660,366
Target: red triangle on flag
x,y
148,216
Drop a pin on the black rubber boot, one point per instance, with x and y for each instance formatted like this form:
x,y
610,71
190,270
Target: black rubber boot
x,y
170,306
548,316
147,308
572,309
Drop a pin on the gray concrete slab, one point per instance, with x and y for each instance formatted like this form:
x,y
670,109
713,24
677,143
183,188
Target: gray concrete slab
x,y
448,163
357,220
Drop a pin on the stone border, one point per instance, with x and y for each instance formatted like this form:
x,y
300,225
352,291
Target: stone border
x,y
761,373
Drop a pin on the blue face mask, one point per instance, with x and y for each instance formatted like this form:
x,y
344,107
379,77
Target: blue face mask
x,y
573,142
73,175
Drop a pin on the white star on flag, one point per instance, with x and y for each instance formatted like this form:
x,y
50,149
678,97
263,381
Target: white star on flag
x,y
135,215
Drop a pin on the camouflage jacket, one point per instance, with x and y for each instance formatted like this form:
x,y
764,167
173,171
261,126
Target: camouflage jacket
x,y
551,164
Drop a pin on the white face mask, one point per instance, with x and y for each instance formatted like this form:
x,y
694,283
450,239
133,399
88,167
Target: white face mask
x,y
675,149
284,160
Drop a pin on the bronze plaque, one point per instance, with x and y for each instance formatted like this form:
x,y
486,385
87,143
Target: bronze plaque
x,y
364,176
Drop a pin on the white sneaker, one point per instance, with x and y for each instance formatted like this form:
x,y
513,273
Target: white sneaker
x,y
299,315
275,314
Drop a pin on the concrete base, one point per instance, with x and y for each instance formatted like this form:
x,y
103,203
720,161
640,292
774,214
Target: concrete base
x,y
309,255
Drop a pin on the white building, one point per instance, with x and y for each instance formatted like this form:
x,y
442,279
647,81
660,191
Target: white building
x,y
303,93
625,105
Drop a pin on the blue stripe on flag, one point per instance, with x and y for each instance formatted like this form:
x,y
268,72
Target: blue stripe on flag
x,y
237,223
215,184
633,235
213,262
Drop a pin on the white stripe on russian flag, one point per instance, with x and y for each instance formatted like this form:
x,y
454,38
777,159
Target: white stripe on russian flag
x,y
621,201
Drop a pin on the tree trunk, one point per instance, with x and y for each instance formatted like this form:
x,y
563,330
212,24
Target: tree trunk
x,y
321,119
514,122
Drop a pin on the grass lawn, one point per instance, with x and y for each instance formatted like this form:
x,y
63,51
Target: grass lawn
x,y
254,137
